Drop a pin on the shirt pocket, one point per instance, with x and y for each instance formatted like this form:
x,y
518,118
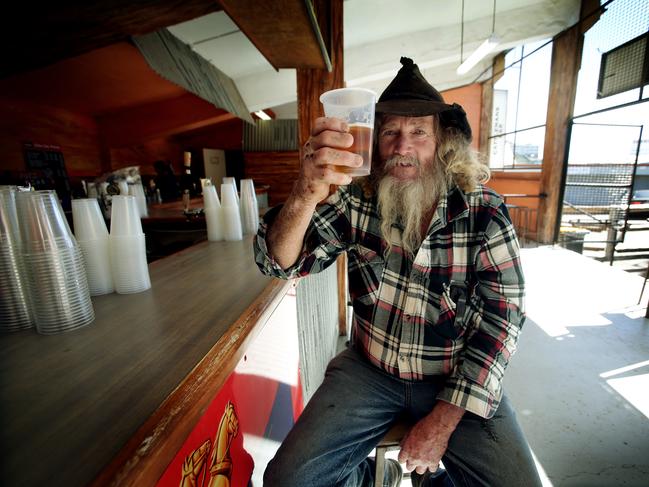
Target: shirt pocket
x,y
365,272
441,313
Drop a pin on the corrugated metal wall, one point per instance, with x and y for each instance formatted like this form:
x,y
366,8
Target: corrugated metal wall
x,y
270,135
317,323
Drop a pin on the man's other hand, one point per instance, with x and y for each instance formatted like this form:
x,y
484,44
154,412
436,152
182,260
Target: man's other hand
x,y
424,445
324,159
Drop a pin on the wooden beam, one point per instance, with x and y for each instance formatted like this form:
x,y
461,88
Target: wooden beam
x,y
311,83
486,112
161,119
282,30
566,54
42,33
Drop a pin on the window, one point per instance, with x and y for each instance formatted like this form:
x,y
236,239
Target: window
x,y
520,106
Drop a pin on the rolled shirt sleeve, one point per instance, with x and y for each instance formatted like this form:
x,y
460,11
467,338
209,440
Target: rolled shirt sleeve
x,y
326,237
496,315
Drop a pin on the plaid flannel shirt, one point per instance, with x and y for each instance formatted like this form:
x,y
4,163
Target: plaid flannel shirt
x,y
404,310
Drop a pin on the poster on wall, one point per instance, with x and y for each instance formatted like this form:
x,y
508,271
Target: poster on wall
x,y
498,124
46,168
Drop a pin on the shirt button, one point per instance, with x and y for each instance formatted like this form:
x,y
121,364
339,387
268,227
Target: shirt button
x,y
402,357
408,317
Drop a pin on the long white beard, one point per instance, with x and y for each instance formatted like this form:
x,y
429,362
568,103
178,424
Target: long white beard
x,y
408,202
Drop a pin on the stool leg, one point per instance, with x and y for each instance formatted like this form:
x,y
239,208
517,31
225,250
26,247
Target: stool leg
x,y
379,469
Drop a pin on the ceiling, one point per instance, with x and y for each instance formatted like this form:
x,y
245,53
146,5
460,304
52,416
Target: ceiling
x,y
113,77
376,34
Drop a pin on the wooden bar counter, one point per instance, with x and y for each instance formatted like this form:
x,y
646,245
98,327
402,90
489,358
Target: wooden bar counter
x,y
112,403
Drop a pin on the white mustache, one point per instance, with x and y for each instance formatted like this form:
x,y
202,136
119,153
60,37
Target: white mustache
x,y
405,160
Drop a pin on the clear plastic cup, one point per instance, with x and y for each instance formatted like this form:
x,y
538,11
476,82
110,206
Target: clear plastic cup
x,y
125,217
88,221
250,207
43,226
356,107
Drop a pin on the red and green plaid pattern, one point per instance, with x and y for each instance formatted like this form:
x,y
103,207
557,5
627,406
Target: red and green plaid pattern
x,y
404,311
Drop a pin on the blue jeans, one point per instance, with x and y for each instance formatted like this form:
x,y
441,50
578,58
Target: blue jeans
x,y
356,405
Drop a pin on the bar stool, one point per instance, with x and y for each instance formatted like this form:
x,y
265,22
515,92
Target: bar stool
x,y
390,441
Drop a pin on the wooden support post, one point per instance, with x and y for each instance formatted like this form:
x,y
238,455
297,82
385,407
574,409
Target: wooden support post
x,y
311,83
566,55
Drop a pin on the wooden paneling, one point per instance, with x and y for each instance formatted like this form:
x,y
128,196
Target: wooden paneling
x,y
161,119
46,32
146,153
128,389
288,41
76,134
566,53
225,135
277,169
470,97
105,80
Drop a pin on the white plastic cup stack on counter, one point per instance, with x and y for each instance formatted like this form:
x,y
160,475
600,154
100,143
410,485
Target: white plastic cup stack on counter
x,y
250,208
15,314
231,213
213,213
123,188
137,190
92,236
56,275
128,247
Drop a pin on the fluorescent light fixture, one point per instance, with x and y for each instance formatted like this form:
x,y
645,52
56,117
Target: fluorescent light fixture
x,y
263,115
485,48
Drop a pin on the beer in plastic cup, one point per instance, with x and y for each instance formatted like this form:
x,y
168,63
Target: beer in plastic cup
x,y
356,107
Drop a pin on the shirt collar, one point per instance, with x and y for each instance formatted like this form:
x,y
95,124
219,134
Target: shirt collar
x,y
452,206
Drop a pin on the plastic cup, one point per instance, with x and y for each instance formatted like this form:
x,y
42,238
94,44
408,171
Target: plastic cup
x,y
43,226
231,181
123,188
356,107
88,221
138,191
129,264
229,197
250,207
214,221
210,198
96,256
125,217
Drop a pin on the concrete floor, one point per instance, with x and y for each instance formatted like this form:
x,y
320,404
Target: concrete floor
x,y
580,378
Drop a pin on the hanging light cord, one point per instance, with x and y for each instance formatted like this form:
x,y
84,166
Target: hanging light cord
x,y
493,16
462,36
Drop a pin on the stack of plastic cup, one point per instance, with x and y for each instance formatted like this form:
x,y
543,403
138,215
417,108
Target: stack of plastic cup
x,y
138,191
56,276
92,236
15,312
232,181
213,213
127,247
231,213
249,206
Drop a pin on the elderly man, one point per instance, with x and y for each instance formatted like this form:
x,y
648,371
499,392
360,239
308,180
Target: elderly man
x,y
437,290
